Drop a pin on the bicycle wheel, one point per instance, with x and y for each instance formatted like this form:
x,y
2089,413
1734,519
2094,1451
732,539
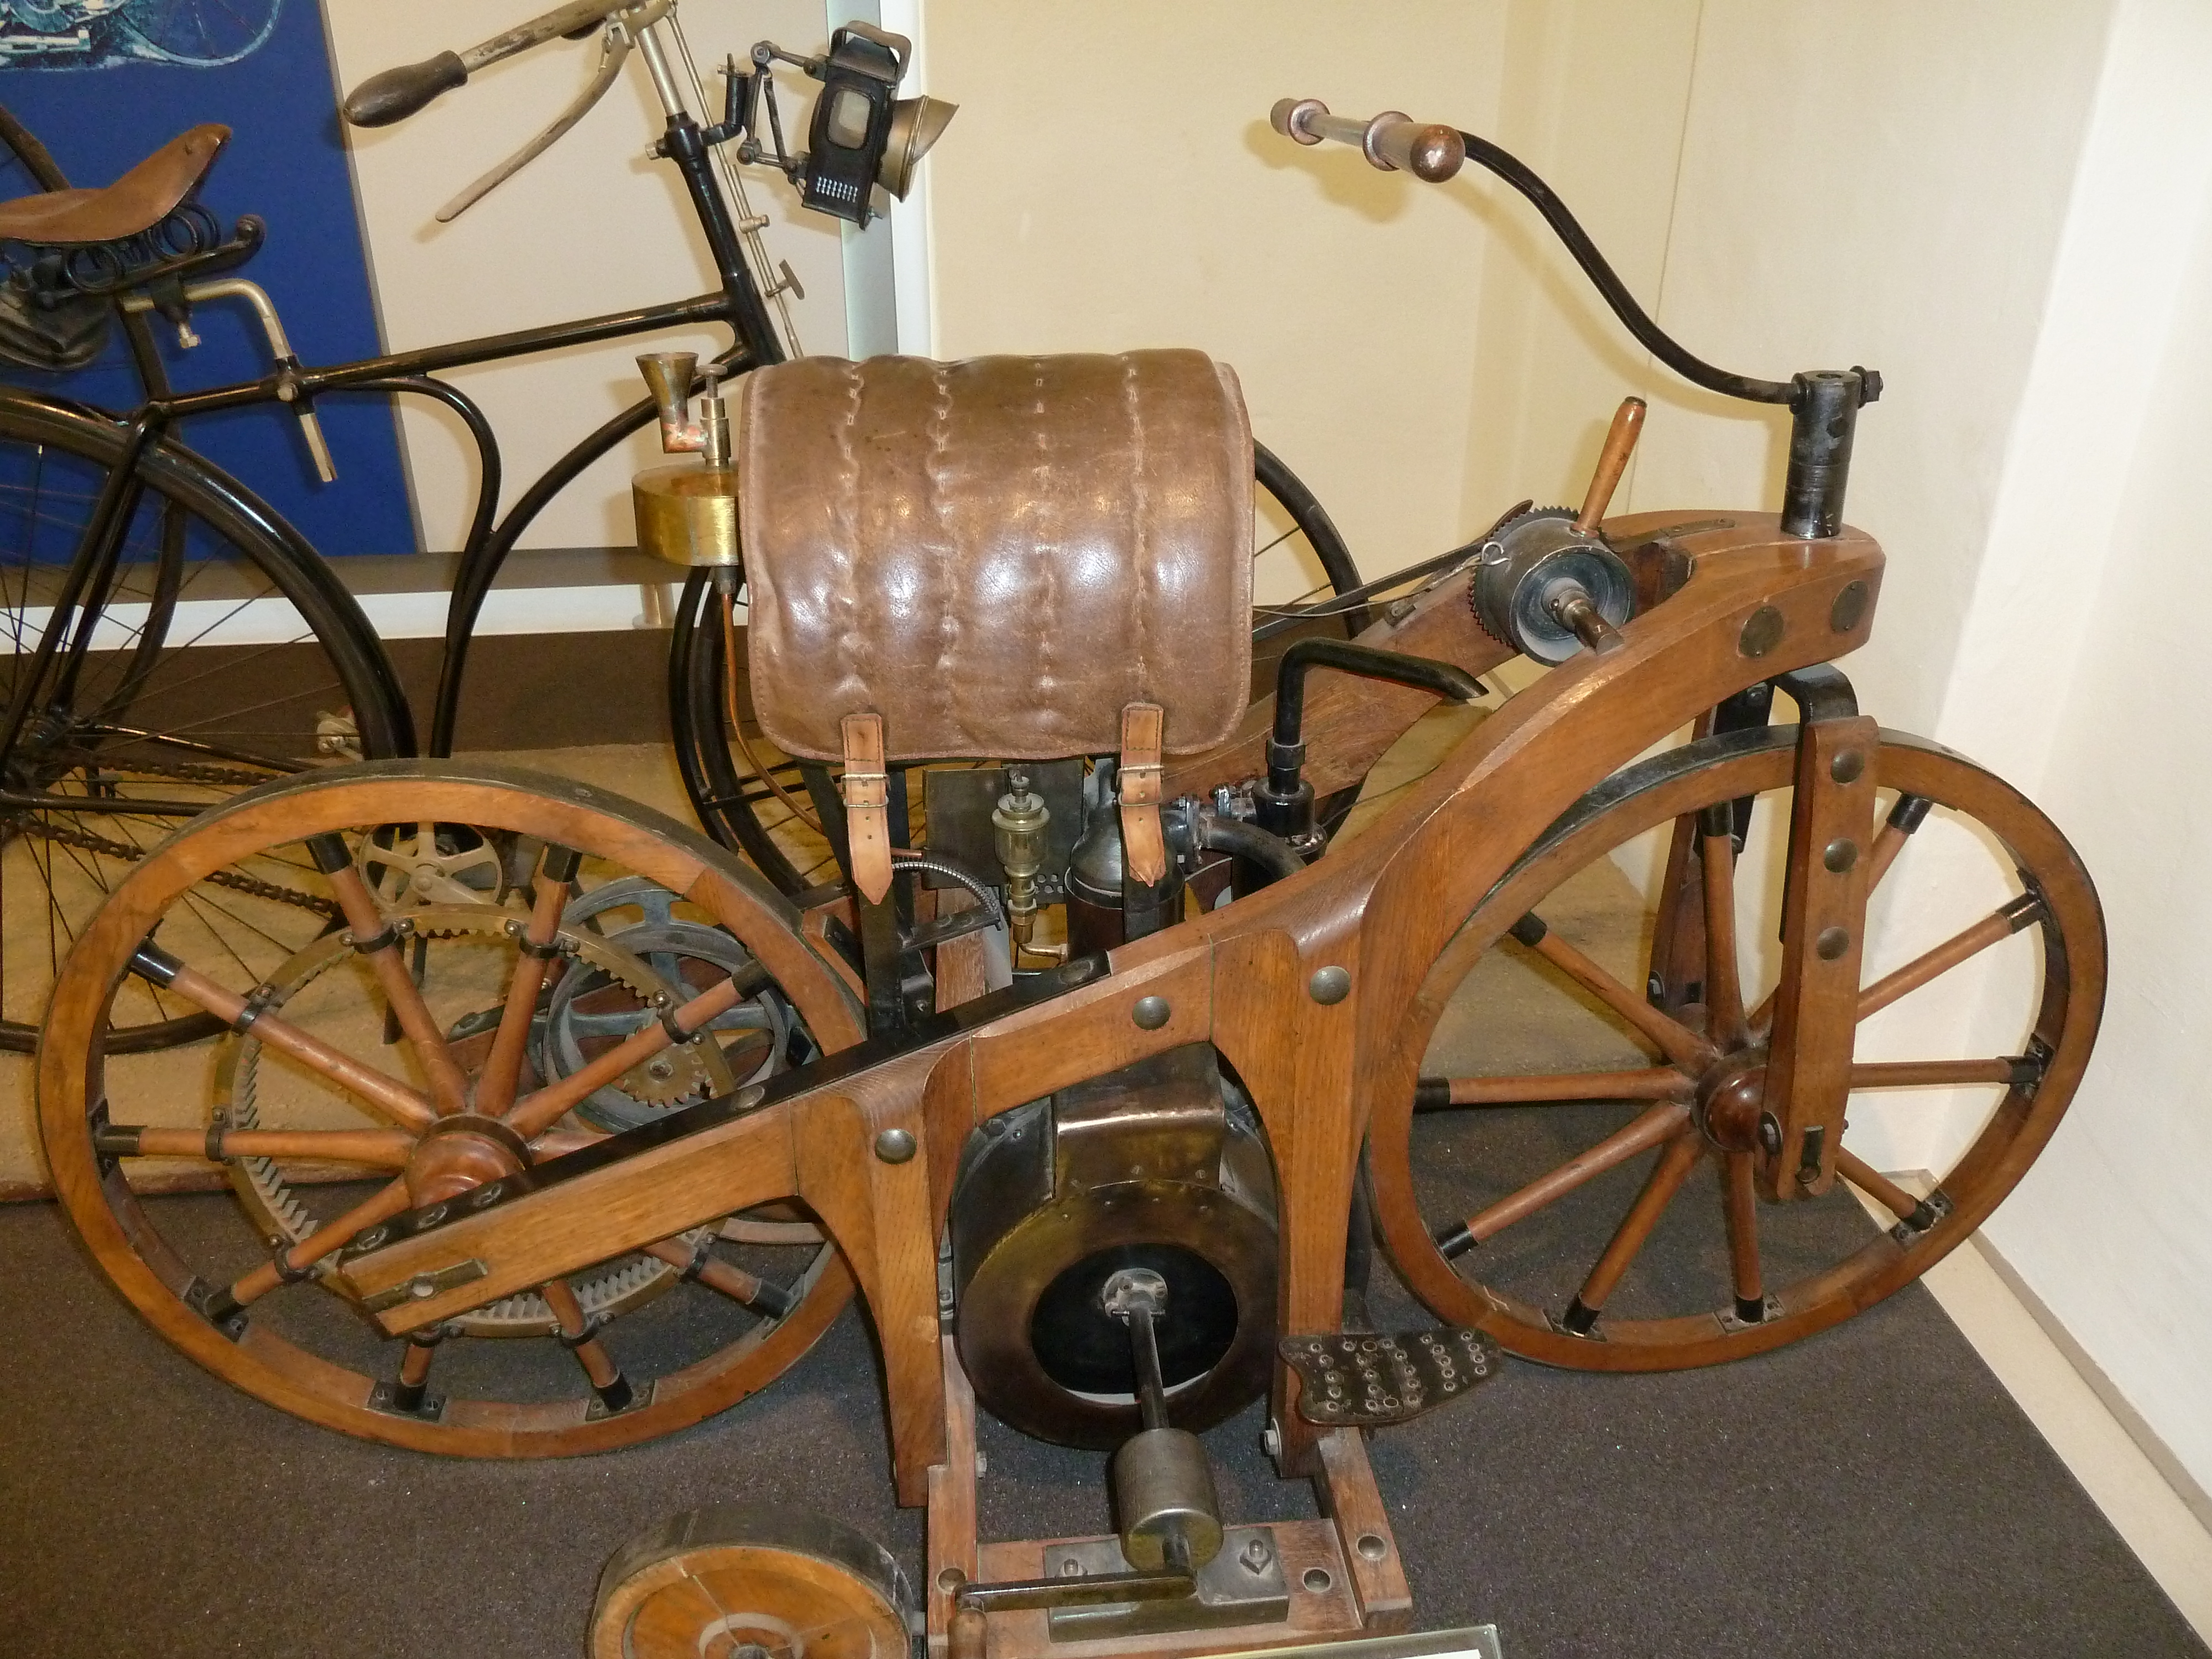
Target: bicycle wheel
x,y
1543,1180
1292,531
227,654
327,1123
199,34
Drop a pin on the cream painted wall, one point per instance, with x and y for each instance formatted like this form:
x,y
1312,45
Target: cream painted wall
x,y
1113,183
592,225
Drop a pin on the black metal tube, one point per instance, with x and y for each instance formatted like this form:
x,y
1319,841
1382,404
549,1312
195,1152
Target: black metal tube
x,y
1271,854
687,148
1824,409
1610,288
1286,752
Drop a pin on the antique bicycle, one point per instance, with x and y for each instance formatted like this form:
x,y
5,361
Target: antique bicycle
x,y
1111,1198
121,550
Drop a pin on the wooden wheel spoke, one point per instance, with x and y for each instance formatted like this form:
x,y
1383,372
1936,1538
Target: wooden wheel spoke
x,y
1916,1213
1674,1040
1740,1207
2001,923
747,1290
378,1149
502,1066
1539,1088
536,1113
378,940
411,1388
1661,1124
1628,1240
288,1265
1936,1074
580,1336
1724,1016
390,1096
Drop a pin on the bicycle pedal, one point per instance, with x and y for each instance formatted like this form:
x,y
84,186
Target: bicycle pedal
x,y
1372,1379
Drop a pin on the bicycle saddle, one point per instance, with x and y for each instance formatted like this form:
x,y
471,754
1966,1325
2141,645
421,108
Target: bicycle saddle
x,y
998,557
132,205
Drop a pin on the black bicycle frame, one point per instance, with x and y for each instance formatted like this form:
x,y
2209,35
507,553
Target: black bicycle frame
x,y
89,579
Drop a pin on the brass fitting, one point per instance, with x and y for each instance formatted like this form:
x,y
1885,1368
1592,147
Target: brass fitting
x,y
1017,835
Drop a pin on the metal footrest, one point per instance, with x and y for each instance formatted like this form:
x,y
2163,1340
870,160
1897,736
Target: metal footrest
x,y
1373,1381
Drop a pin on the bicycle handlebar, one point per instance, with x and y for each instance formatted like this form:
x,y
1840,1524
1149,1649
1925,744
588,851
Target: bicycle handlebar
x,y
396,93
1392,142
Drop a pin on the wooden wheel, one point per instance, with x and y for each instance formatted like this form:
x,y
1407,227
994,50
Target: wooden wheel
x,y
388,1065
1575,1172
723,1582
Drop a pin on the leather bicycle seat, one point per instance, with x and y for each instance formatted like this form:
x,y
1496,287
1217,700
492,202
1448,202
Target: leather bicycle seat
x,y
998,557
133,204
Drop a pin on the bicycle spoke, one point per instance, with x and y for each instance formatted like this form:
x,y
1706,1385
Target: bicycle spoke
x,y
1677,1041
1660,1187
1660,1123
1652,1083
289,1265
377,943
538,1112
503,1066
1724,1016
2000,924
576,1333
747,1291
1740,1207
1936,1074
380,1149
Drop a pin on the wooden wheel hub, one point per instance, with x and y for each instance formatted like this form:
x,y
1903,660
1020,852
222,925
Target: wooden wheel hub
x,y
460,1153
1731,1098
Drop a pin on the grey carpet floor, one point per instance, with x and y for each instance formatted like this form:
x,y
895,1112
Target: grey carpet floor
x,y
1870,1491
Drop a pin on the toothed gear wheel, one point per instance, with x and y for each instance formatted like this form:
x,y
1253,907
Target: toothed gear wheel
x,y
278,1212
1528,557
586,1008
407,865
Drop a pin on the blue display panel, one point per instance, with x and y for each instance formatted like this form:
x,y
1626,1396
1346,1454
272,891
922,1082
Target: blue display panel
x,y
104,83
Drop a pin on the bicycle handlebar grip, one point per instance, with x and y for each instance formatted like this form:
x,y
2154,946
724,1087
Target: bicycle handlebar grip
x,y
1392,142
396,93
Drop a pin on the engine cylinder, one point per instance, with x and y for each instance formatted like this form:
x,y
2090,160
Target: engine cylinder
x,y
1148,1168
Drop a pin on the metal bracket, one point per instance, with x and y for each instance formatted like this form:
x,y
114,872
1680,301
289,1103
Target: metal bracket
x,y
596,1409
1242,1585
430,1411
422,1286
1376,1381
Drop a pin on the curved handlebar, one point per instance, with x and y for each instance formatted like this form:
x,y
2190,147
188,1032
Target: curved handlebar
x,y
1392,142
396,93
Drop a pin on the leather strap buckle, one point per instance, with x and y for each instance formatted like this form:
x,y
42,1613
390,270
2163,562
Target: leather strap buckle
x,y
1143,847
865,786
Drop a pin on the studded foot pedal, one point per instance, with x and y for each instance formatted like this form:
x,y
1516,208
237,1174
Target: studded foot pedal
x,y
1370,1381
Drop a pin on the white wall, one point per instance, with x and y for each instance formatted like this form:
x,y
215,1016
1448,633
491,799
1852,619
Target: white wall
x,y
592,225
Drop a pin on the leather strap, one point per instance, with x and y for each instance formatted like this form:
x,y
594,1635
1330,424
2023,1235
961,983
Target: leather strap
x,y
1142,849
866,787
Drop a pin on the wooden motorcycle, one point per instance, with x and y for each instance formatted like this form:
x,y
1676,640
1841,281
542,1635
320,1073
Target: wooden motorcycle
x,y
564,1075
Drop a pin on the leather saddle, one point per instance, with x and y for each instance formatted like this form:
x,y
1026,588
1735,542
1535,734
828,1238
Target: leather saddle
x,y
132,205
1013,558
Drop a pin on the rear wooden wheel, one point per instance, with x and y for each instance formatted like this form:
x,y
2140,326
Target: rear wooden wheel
x,y
729,1583
1574,1172
368,1081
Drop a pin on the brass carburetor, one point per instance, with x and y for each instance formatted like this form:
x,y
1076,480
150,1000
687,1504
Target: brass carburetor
x,y
688,514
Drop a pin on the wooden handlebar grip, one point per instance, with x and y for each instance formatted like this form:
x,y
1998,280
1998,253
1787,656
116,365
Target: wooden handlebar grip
x,y
1611,462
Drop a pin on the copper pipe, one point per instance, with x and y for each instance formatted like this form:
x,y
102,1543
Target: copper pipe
x,y
388,1094
449,1084
1611,462
1648,1129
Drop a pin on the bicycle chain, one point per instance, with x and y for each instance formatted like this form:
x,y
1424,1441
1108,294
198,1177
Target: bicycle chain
x,y
85,841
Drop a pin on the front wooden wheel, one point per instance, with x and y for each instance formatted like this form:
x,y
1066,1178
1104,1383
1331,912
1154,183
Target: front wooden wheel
x,y
1566,1176
724,1582
396,1061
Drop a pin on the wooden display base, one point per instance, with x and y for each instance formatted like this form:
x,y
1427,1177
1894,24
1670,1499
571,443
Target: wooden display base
x,y
1343,1573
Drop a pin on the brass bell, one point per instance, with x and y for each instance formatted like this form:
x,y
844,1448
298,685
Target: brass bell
x,y
686,513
